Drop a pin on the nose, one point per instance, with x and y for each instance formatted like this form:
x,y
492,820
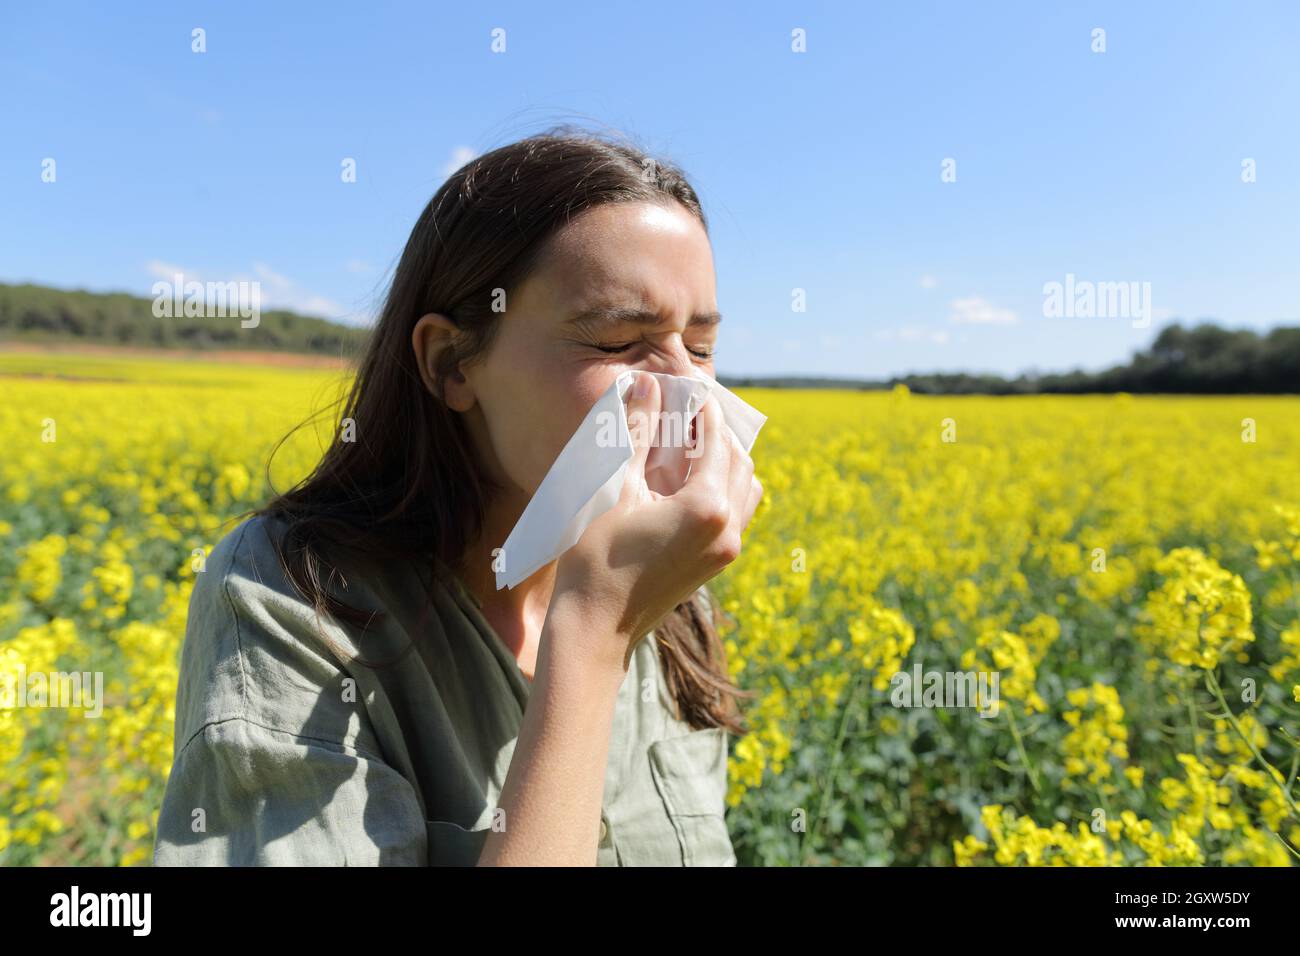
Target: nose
x,y
671,359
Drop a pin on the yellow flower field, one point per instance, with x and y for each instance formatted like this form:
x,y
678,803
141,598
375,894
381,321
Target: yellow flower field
x,y
1127,568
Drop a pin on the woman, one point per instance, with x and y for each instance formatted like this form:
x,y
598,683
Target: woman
x,y
354,690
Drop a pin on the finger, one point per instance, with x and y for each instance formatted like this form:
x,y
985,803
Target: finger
x,y
710,455
643,402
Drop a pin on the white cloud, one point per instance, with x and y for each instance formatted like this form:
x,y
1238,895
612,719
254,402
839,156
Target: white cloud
x,y
928,282
269,276
913,333
976,310
910,333
360,267
284,293
167,270
459,157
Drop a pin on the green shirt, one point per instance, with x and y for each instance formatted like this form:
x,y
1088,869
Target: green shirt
x,y
283,756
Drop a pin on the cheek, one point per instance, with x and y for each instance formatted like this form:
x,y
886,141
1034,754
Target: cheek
x,y
531,413
571,398
588,385
567,400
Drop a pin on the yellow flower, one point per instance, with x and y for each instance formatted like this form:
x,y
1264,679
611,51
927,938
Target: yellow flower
x,y
1200,614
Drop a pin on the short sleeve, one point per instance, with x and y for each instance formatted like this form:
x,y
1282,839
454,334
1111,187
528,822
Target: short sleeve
x,y
245,795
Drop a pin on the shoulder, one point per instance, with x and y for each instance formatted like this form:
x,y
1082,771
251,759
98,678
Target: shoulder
x,y
245,560
246,576
242,596
255,649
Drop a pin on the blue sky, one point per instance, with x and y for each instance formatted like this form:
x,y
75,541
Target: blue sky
x,y
819,170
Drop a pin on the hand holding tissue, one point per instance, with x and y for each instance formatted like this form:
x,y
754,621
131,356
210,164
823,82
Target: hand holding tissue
x,y
587,478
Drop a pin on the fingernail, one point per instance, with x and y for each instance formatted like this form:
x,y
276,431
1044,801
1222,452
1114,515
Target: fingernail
x,y
641,387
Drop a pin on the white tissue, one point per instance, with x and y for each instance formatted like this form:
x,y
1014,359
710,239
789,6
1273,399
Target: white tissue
x,y
587,478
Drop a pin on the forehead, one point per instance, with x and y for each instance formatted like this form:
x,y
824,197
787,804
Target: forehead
x,y
634,254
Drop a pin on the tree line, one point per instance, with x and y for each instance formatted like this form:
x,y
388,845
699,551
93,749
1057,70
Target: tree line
x,y
1202,359
38,314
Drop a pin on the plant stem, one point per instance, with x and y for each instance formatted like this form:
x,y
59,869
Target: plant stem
x,y
1020,746
1270,771
1191,719
829,789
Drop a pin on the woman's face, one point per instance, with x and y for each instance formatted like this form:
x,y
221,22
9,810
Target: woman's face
x,y
622,286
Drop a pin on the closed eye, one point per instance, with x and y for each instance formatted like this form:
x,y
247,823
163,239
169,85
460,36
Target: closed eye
x,y
623,347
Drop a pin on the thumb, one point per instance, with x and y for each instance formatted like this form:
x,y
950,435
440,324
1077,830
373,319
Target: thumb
x,y
643,403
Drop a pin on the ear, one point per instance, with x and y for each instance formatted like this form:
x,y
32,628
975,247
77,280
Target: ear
x,y
433,333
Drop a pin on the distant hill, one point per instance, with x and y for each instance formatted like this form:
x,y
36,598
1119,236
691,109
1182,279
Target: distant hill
x,y
37,314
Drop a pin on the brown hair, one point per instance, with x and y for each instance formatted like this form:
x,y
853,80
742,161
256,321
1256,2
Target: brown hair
x,y
409,486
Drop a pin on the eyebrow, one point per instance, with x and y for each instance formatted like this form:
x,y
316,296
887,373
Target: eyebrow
x,y
614,315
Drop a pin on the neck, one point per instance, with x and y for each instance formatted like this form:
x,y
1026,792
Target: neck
x,y
516,614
